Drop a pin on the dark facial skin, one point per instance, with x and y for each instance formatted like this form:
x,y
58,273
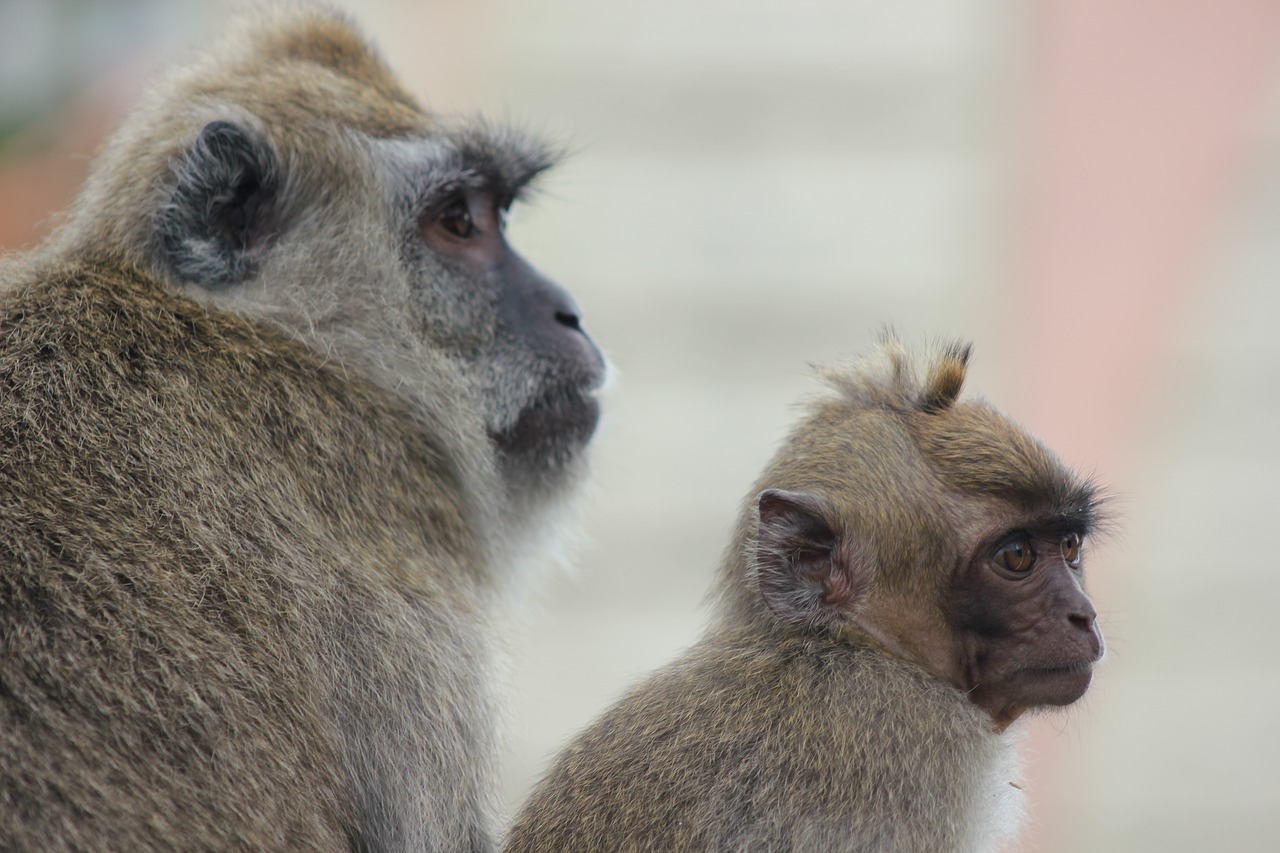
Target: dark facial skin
x,y
1026,632
469,230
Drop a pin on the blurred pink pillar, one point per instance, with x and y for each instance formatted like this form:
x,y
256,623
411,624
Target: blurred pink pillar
x,y
1140,114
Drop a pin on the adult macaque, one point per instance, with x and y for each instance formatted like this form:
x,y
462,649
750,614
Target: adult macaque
x,y
904,584
281,412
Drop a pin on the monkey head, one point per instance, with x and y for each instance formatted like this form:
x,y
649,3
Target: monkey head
x,y
934,529
290,179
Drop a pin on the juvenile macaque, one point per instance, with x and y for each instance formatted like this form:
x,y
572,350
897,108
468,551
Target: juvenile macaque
x,y
281,413
904,583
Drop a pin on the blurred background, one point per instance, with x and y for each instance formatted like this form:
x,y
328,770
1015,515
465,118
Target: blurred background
x,y
1088,189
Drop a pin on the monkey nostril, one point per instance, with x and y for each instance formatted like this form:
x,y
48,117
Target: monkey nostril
x,y
1084,623
570,320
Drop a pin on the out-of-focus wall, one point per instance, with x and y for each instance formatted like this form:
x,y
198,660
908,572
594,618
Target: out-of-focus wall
x,y
1090,191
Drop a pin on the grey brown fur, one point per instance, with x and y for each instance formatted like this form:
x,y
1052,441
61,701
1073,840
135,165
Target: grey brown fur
x,y
827,707
269,465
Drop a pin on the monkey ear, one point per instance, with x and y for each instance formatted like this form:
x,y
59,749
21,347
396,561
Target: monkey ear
x,y
803,574
217,220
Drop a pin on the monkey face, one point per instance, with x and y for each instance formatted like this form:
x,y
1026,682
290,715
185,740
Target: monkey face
x,y
539,365
517,333
392,252
1027,633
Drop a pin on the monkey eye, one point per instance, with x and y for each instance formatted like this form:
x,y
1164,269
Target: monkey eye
x,y
1016,556
1071,549
456,219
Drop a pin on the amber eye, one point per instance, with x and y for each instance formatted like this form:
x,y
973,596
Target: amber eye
x,y
456,219
1016,556
1071,549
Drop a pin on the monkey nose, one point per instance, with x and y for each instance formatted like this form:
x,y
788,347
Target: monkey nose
x,y
1082,621
1085,618
569,319
1080,611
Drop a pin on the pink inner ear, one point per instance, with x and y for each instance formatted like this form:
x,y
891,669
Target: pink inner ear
x,y
800,573
839,590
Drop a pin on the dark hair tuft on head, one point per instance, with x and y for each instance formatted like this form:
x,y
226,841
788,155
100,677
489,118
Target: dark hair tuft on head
x,y
890,378
946,378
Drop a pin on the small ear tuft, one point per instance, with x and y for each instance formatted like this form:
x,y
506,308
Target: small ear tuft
x,y
216,220
801,569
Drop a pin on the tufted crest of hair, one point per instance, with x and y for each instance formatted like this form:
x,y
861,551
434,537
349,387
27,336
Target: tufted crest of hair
x,y
891,379
970,446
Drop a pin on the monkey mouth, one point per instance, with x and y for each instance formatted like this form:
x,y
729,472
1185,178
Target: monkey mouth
x,y
1084,667
1057,684
562,420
